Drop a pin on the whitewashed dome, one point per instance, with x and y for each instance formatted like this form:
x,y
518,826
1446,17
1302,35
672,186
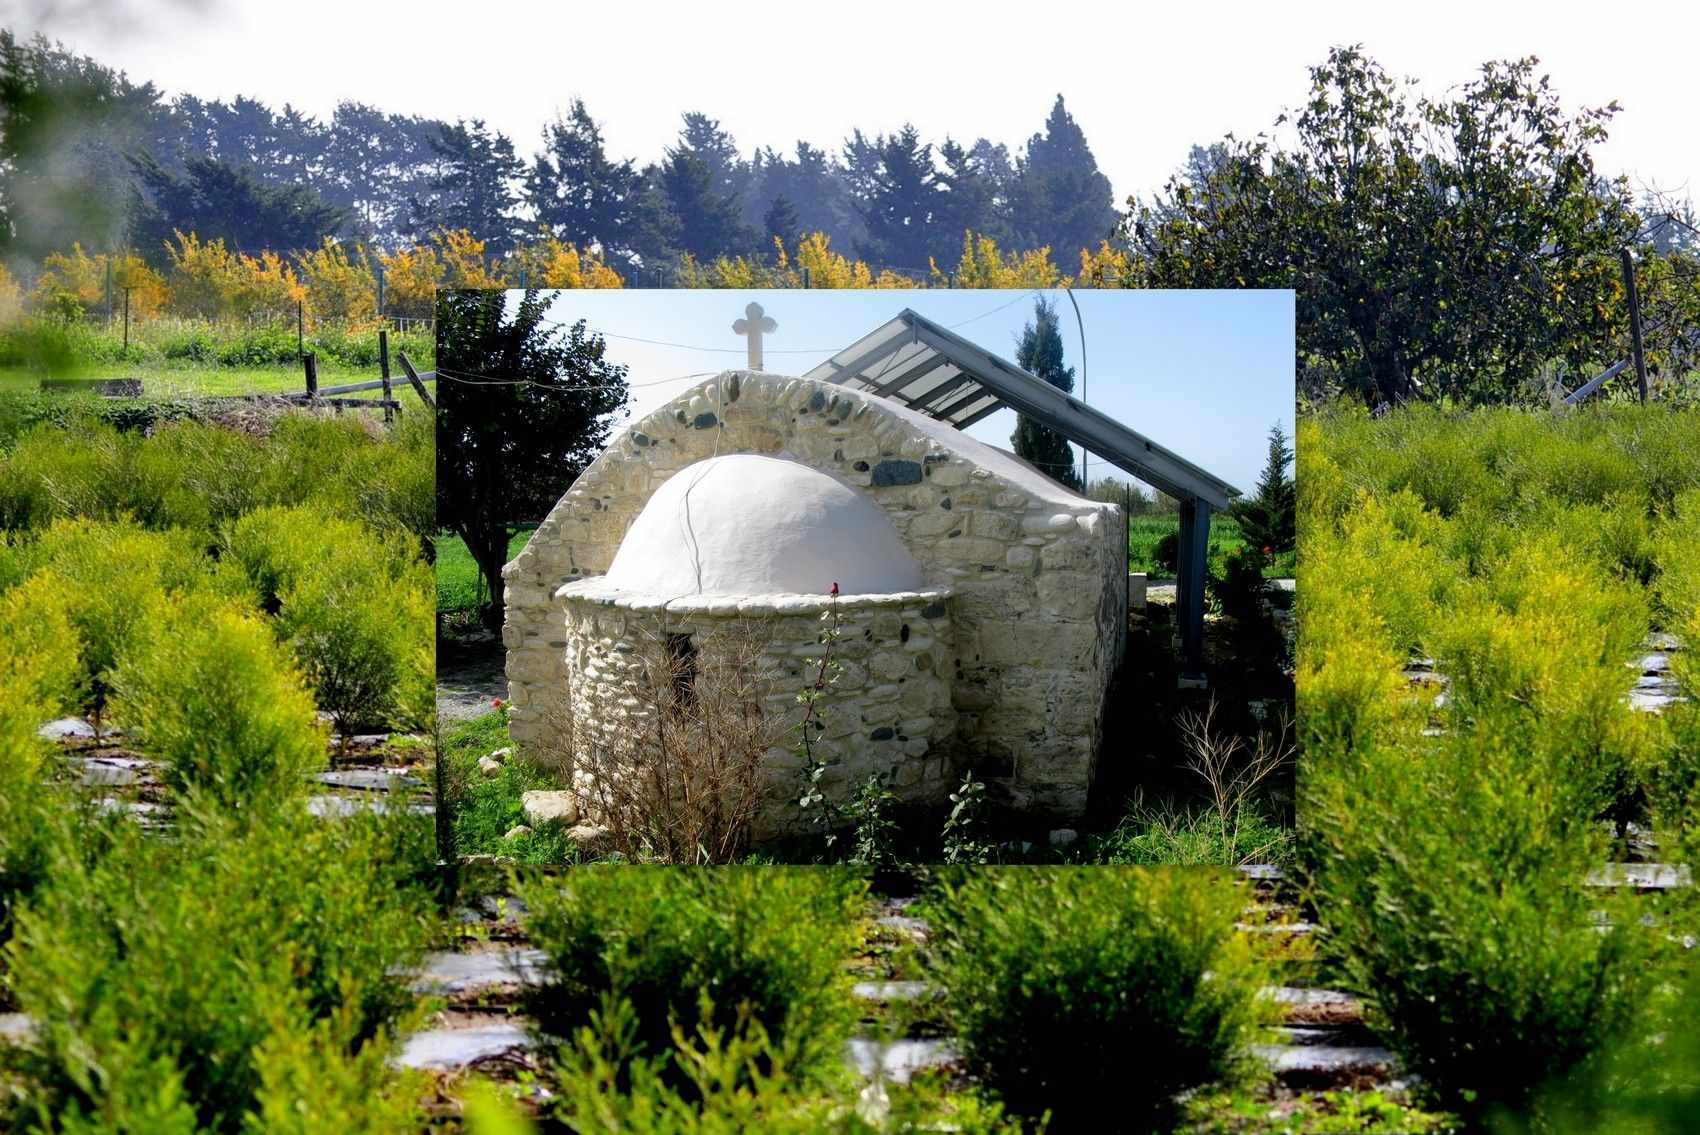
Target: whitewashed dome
x,y
744,524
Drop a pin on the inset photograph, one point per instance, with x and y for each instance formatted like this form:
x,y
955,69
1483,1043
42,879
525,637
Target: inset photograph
x,y
883,577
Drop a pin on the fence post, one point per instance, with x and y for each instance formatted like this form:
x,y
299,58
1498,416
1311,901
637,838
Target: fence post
x,y
384,372
413,377
127,321
311,364
1628,262
300,330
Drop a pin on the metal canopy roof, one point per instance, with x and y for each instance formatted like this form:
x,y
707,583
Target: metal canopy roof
x,y
930,369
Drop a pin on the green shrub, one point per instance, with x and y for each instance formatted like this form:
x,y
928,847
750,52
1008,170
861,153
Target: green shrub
x,y
314,1080
769,942
1171,836
171,975
1055,977
116,578
277,544
214,696
353,605
53,473
1451,883
365,644
1240,590
39,659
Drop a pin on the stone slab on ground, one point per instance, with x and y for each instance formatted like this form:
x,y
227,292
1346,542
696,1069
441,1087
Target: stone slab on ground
x,y
882,991
445,1048
451,972
1325,1065
898,1060
1642,876
369,779
331,806
66,728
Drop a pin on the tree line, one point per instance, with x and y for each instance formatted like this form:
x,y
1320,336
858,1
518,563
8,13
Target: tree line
x,y
1462,246
145,166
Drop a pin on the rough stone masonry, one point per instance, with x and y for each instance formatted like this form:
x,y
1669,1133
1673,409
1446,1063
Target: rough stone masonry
x,y
1010,642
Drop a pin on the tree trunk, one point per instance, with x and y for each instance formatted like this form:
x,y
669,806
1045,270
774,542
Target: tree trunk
x,y
491,567
489,550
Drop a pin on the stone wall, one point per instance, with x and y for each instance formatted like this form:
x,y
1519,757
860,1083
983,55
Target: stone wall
x,y
1037,573
889,711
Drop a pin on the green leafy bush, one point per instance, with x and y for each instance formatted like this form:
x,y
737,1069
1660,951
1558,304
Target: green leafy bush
x,y
174,990
161,466
364,643
1451,883
116,579
1054,976
769,942
39,659
213,695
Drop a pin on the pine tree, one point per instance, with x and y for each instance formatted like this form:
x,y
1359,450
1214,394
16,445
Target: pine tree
x,y
1269,518
473,185
709,223
781,222
1040,353
1062,200
898,194
574,188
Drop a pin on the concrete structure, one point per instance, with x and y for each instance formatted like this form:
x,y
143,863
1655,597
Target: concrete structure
x,y
982,604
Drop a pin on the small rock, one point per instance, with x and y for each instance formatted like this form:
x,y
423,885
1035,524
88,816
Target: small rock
x,y
592,839
489,766
516,831
1063,837
502,754
545,806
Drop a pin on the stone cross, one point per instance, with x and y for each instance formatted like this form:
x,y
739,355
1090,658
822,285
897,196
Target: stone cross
x,y
754,325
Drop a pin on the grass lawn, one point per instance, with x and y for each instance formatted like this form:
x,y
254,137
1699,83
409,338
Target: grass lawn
x,y
486,808
458,585
1145,532
200,358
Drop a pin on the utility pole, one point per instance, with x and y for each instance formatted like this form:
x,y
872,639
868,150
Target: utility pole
x,y
1628,260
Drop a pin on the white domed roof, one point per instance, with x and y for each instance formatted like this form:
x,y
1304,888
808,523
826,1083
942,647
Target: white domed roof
x,y
744,524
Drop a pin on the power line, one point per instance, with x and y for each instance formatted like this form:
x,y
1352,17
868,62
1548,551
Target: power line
x,y
995,310
468,379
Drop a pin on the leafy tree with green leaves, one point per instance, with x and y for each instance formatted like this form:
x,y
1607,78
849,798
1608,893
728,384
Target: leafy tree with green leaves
x,y
1439,246
67,123
524,407
1268,518
1040,352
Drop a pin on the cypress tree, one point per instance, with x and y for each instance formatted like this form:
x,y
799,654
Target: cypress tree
x,y
1040,352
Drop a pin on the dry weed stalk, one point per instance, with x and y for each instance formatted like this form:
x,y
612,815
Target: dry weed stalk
x,y
1230,767
678,780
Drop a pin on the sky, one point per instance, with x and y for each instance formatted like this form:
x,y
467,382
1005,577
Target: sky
x,y
1145,82
1203,373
